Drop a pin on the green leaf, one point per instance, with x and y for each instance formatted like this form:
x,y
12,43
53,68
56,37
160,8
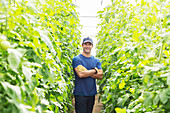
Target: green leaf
x,y
168,80
156,100
164,75
121,101
27,72
24,108
32,64
52,77
163,96
45,102
46,40
17,34
148,102
12,91
107,17
74,15
14,58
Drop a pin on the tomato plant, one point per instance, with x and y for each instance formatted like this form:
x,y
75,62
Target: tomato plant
x,y
134,45
35,72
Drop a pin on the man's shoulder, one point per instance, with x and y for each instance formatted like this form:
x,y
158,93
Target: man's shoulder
x,y
76,57
97,59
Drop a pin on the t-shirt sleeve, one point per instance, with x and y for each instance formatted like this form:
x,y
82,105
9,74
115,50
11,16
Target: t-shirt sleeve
x,y
76,62
99,64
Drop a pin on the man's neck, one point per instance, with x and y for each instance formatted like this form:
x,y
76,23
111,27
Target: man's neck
x,y
86,55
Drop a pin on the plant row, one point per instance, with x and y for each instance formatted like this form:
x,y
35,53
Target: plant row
x,y
134,45
38,41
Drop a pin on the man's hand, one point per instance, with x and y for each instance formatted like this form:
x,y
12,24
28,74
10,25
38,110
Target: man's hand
x,y
98,75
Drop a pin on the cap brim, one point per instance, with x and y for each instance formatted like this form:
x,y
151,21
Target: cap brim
x,y
87,41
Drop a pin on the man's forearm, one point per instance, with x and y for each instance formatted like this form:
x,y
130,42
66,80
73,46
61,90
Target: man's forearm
x,y
99,75
84,74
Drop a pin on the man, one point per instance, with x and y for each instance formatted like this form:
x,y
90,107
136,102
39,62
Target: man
x,y
87,69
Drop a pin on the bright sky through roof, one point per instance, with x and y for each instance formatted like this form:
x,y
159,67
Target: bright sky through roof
x,y
87,10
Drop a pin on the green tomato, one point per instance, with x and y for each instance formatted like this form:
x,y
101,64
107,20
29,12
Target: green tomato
x,y
4,45
2,38
141,99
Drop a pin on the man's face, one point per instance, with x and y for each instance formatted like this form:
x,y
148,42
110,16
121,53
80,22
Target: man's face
x,y
87,47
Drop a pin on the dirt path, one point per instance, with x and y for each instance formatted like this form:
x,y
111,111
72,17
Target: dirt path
x,y
97,107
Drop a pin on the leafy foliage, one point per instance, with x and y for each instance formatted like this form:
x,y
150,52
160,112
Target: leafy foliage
x,y
134,45
35,71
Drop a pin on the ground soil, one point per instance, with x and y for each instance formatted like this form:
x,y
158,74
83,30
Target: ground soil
x,y
97,106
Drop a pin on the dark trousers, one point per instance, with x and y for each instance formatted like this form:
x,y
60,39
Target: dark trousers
x,y
84,104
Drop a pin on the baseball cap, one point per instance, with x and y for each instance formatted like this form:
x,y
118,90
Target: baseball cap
x,y
87,39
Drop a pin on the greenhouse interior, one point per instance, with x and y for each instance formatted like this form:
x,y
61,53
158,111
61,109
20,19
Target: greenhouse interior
x,y
84,56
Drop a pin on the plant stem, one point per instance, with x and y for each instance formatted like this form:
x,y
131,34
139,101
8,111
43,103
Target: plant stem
x,y
161,49
160,54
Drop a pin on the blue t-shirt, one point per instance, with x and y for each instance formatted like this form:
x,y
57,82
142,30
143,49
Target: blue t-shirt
x,y
85,86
